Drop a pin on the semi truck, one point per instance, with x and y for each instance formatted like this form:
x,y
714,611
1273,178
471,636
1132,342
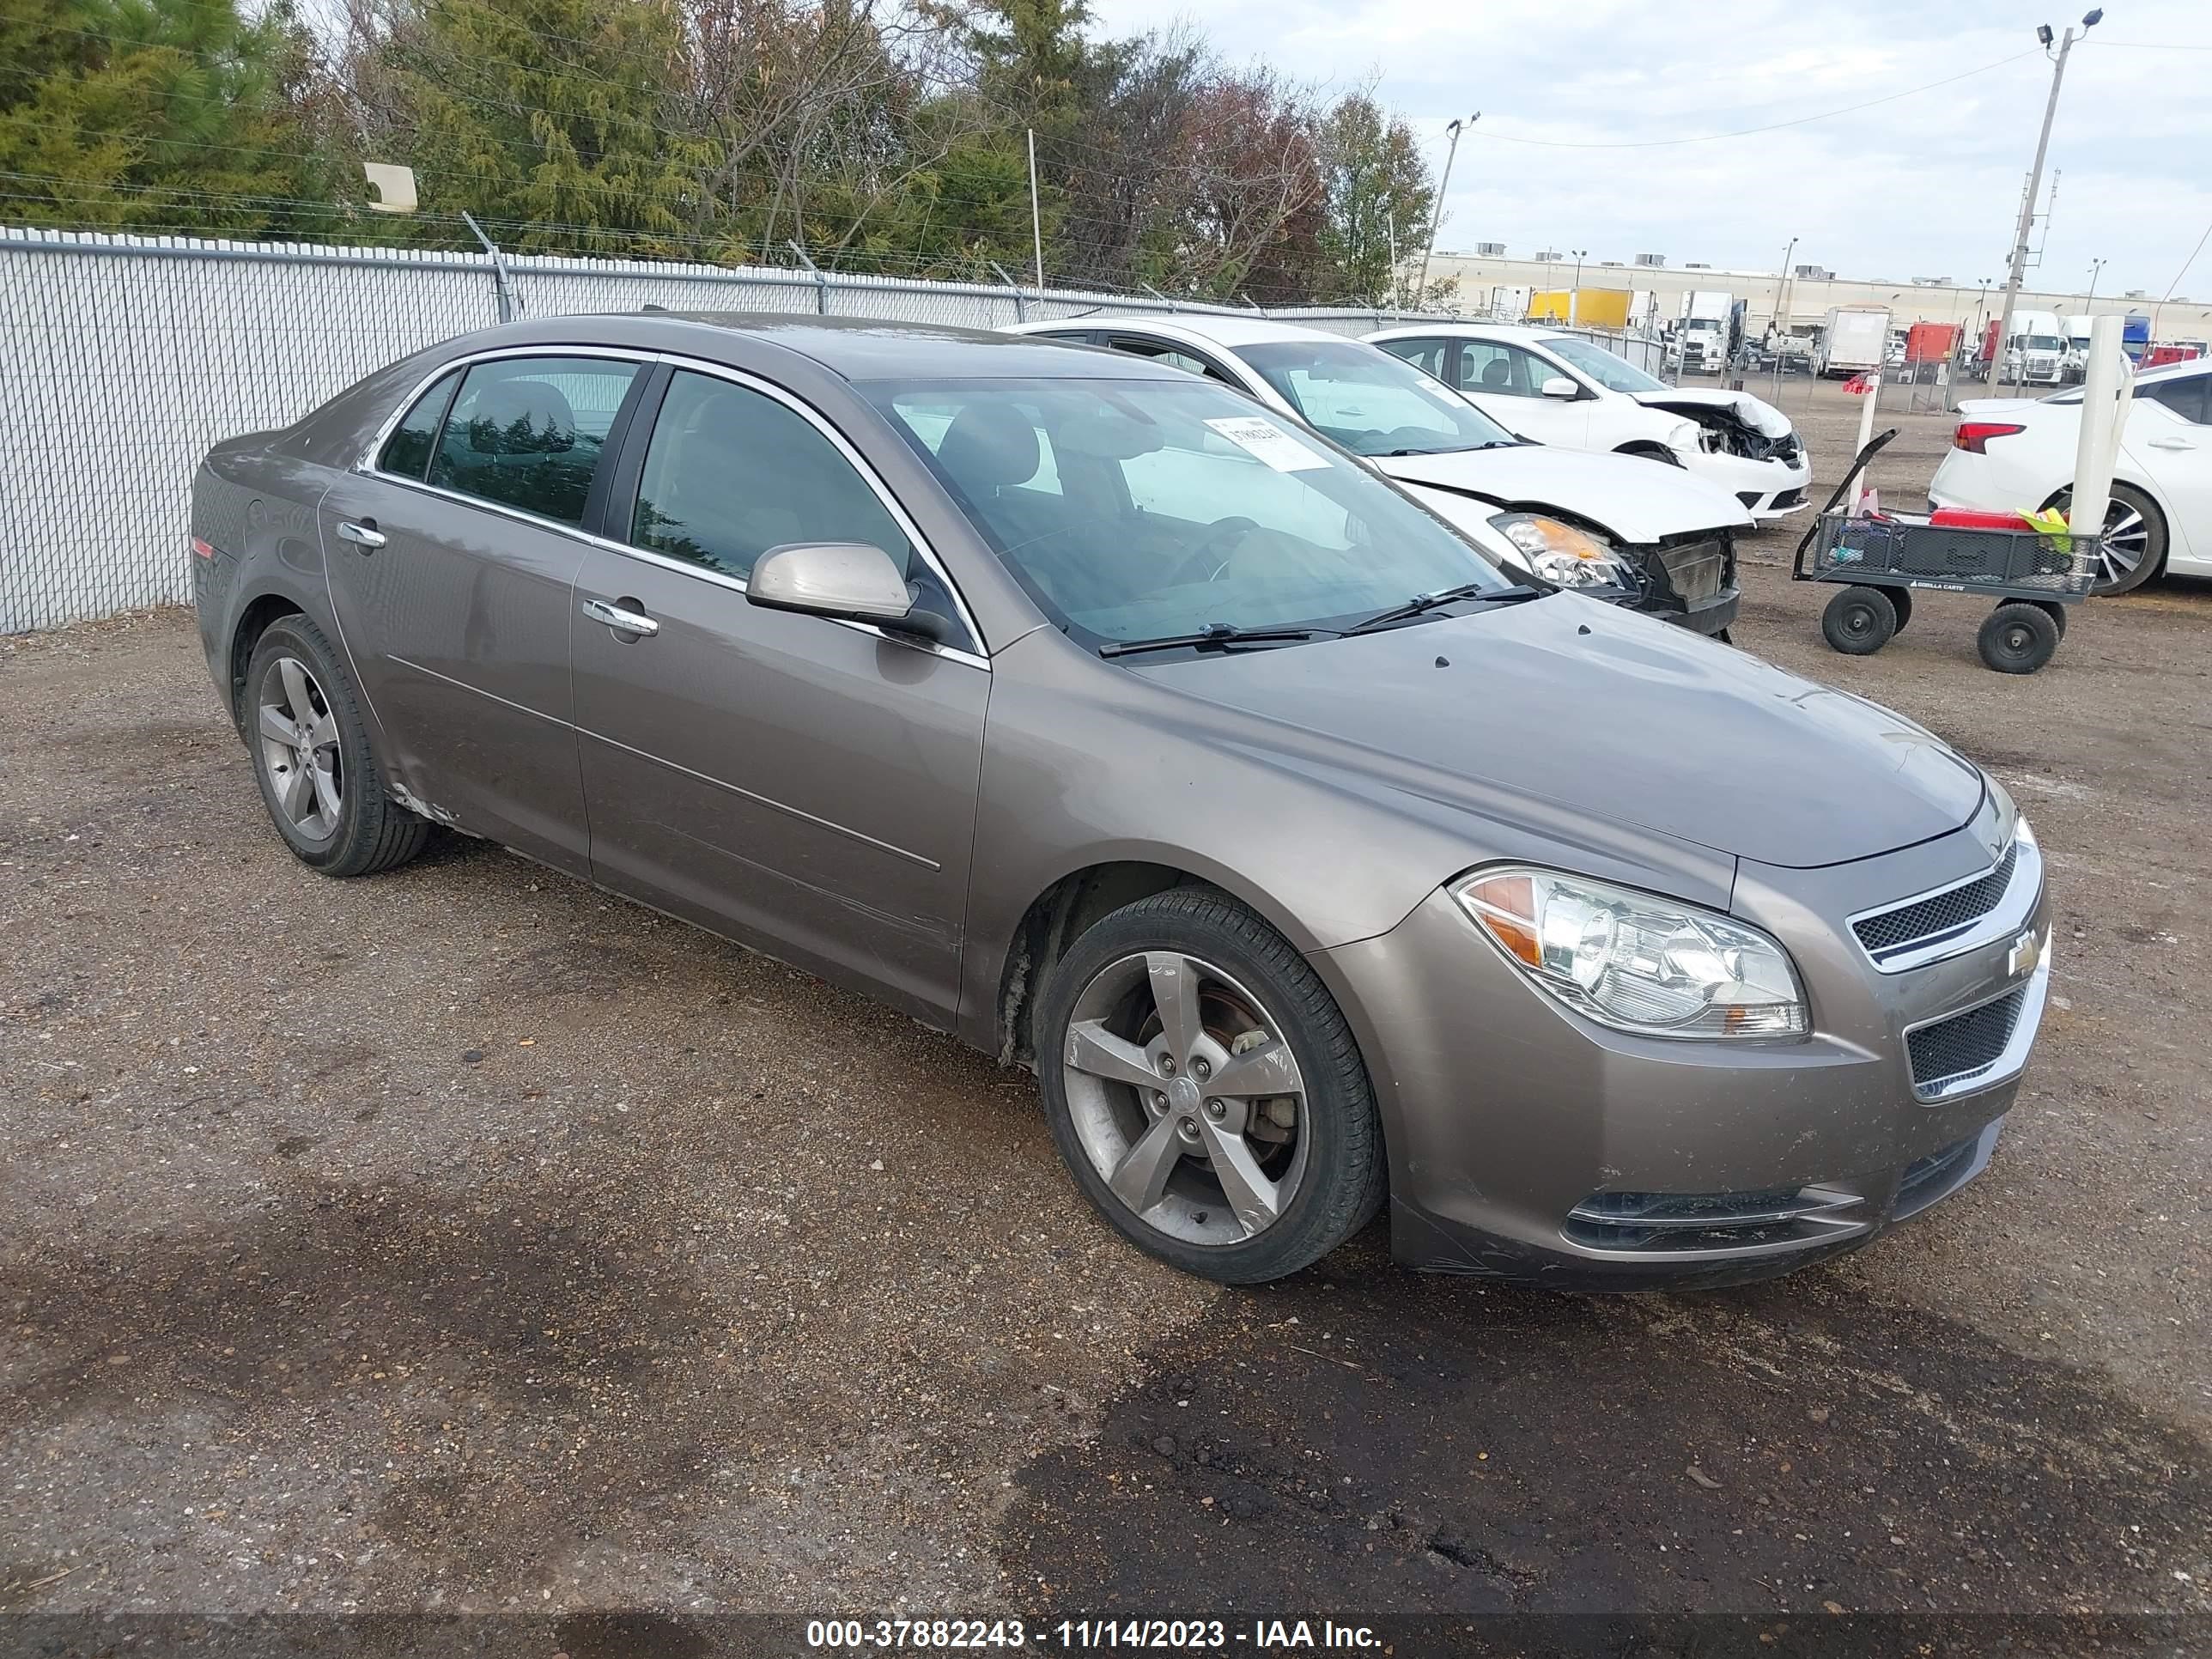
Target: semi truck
x,y
1855,340
1708,331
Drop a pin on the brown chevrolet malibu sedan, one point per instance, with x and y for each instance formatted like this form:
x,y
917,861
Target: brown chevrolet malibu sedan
x,y
1100,716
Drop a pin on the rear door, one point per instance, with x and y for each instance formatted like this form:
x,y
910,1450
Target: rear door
x,y
452,554
2169,436
803,784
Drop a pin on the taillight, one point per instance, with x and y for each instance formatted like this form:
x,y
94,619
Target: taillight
x,y
1973,435
203,550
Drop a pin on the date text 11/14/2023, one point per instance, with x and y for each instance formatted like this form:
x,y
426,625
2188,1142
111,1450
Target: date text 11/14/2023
x,y
1188,1635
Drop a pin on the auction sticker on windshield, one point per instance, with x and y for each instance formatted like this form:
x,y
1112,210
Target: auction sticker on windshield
x,y
1263,438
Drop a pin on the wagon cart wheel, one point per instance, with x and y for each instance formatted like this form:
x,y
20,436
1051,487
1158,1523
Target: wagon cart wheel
x,y
2018,638
2053,609
1859,621
1901,600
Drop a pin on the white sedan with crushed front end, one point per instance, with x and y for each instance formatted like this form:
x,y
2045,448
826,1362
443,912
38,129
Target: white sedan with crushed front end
x,y
1562,389
1651,540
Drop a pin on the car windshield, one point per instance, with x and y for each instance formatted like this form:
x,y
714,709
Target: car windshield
x,y
1614,373
1147,509
1372,403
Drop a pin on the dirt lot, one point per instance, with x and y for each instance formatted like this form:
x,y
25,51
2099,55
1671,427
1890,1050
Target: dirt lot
x,y
461,1239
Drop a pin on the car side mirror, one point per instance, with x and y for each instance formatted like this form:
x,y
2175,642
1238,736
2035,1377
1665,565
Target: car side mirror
x,y
852,581
1560,386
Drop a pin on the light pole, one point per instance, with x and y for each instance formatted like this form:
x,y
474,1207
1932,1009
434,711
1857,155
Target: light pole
x,y
1437,214
2096,268
1575,294
2034,184
1778,324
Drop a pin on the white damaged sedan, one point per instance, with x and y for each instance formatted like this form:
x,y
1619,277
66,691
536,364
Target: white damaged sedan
x,y
1562,389
1653,540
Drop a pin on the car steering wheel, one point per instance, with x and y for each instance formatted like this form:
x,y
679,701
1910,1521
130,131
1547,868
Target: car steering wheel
x,y
1221,537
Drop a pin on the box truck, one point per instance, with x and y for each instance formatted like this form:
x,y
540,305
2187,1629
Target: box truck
x,y
1854,341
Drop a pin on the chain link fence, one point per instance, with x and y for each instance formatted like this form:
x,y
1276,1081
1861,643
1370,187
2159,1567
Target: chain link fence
x,y
123,359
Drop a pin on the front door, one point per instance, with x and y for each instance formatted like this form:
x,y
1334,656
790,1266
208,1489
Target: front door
x,y
805,784
451,570
1505,383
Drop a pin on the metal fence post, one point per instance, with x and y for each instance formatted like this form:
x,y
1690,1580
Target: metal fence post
x,y
821,282
508,305
1021,303
1161,297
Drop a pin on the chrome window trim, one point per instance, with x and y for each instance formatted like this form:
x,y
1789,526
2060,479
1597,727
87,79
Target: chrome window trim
x,y
367,464
2012,1059
2003,920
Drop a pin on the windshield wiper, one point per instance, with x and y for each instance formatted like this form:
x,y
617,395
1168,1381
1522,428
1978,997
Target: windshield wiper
x,y
1422,603
1214,634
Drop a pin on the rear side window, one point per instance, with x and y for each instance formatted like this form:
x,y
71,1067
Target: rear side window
x,y
527,432
1427,356
407,451
2186,395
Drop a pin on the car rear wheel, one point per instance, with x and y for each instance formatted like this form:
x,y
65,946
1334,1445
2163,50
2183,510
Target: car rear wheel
x,y
312,759
1859,621
2135,540
1205,1091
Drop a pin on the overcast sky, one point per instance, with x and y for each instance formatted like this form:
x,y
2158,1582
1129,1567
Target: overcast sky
x,y
1926,185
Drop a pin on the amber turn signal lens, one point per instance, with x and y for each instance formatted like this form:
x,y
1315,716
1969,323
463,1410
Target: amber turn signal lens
x,y
1506,905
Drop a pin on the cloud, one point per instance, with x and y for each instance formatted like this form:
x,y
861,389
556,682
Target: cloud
x,y
1925,185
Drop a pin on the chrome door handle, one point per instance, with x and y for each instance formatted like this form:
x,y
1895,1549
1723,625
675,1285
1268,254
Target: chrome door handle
x,y
621,620
365,534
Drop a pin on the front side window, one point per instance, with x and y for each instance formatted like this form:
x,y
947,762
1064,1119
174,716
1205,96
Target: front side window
x,y
407,450
1615,374
527,432
1369,401
730,472
1175,505
1503,370
1426,354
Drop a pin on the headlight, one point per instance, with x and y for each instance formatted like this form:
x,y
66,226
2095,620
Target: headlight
x,y
1653,966
1563,555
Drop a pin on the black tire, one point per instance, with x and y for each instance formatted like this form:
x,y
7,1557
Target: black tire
x,y
2055,610
2132,513
2017,638
1723,635
371,831
1343,1180
1859,621
1900,600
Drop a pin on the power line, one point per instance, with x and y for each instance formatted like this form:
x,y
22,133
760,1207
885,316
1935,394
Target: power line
x,y
1747,132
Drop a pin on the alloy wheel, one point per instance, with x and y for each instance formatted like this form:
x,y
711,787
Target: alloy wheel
x,y
2127,540
1185,1097
299,743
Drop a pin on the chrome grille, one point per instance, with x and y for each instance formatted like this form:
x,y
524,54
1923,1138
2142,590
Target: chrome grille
x,y
1965,1045
1910,926
1695,570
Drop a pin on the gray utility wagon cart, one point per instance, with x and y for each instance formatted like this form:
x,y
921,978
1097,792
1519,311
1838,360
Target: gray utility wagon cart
x,y
1881,559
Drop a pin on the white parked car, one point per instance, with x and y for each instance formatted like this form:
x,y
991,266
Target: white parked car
x,y
1651,540
1561,389
2017,453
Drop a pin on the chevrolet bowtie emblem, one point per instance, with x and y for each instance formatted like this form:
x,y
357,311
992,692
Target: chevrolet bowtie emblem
x,y
2026,952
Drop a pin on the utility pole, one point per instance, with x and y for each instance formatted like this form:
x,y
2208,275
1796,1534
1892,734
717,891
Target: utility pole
x,y
1778,324
1437,214
1575,294
1037,218
2034,184
2096,268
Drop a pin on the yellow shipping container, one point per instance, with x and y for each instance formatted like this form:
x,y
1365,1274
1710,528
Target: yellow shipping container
x,y
1593,308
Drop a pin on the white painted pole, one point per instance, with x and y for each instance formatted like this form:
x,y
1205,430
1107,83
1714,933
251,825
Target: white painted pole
x,y
1036,216
1859,488
2104,384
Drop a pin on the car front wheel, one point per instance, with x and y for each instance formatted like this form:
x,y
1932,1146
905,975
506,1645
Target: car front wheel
x,y
1205,1091
312,759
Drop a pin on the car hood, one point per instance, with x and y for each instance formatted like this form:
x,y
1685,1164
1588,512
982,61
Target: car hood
x,y
1572,702
1632,500
1761,417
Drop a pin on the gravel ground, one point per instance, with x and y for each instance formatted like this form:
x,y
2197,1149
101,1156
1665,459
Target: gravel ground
x,y
461,1239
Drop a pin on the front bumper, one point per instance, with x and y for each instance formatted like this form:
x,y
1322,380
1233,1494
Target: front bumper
x,y
1506,1113
1768,489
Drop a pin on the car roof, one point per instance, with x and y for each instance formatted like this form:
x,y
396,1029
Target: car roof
x,y
1519,332
1194,328
853,348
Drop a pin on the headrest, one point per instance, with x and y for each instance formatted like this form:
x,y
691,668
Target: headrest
x,y
522,417
989,447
